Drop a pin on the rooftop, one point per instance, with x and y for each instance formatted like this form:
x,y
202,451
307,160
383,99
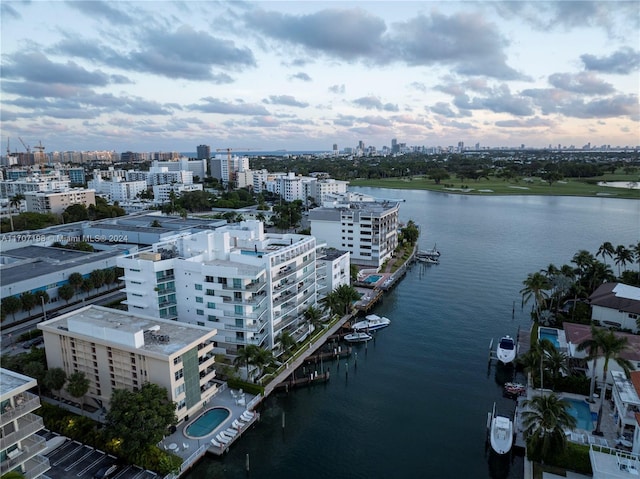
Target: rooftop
x,y
131,331
11,381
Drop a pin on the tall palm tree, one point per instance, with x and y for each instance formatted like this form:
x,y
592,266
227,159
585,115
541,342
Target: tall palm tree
x,y
606,249
14,203
611,346
262,358
635,248
545,419
244,357
313,315
623,256
582,259
347,294
535,286
557,363
592,346
287,342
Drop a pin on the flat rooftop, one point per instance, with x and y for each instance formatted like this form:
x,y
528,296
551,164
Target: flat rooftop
x,y
128,330
11,381
32,261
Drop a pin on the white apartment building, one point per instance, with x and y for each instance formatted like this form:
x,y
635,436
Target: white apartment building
x,y
225,168
161,193
19,444
53,182
109,174
57,201
122,350
117,189
249,285
321,189
332,270
367,229
196,167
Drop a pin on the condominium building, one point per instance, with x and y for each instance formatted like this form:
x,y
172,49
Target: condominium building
x,y
367,229
57,201
249,285
19,444
162,193
118,189
53,182
123,350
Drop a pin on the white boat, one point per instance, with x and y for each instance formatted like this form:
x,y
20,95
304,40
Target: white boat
x,y
500,432
428,259
506,350
429,253
358,337
371,323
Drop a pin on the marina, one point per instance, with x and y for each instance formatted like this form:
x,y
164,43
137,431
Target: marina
x,y
407,382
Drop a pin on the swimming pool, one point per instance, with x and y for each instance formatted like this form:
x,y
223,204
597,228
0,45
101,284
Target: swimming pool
x,y
551,334
207,422
582,412
374,278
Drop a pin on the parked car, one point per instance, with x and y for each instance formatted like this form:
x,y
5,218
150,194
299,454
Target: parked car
x,y
106,472
33,342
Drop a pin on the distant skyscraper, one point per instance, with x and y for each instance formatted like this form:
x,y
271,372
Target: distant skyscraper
x,y
395,148
361,145
204,152
461,146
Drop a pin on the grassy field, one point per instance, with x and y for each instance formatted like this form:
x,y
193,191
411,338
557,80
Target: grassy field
x,y
495,186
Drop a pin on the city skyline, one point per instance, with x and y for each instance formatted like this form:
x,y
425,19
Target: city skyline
x,y
167,76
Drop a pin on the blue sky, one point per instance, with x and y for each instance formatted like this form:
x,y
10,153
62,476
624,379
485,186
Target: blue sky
x,y
168,76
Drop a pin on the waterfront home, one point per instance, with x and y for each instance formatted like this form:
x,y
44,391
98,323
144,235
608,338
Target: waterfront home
x,y
616,305
626,405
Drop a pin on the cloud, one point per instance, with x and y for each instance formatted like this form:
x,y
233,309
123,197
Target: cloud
x,y
622,61
569,104
301,76
337,89
286,100
7,11
374,103
214,105
444,109
585,83
97,9
346,34
499,101
418,86
465,41
36,67
528,123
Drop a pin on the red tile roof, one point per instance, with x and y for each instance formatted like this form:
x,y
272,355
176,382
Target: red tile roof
x,y
577,333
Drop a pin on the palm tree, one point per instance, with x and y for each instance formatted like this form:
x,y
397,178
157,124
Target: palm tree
x,y
347,295
545,419
262,359
557,363
636,253
611,346
14,203
244,357
535,286
313,315
78,386
606,249
623,256
582,259
287,342
332,302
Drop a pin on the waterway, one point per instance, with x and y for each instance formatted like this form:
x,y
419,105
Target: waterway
x,y
414,402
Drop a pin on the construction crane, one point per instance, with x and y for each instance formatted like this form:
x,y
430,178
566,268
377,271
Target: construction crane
x,y
26,147
40,159
230,172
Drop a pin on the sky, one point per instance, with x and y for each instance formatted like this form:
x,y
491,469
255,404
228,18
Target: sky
x,y
303,75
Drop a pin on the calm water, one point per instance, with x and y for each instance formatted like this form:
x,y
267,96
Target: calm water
x,y
414,402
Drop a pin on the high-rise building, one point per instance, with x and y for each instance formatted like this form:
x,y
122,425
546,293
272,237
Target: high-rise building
x,y
19,441
395,148
204,152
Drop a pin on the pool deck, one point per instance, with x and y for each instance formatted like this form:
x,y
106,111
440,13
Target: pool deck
x,y
191,449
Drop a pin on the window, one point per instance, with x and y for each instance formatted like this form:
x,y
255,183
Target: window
x,y
199,299
213,318
179,374
200,312
198,287
211,305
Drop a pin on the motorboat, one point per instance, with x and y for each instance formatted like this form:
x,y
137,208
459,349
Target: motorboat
x,y
371,323
506,350
514,390
500,432
358,337
429,253
428,259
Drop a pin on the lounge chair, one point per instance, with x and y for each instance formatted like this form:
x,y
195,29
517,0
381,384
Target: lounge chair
x,y
216,443
247,415
237,424
231,432
223,439
185,445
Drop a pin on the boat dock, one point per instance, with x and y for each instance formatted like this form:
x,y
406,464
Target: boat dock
x,y
338,352
311,379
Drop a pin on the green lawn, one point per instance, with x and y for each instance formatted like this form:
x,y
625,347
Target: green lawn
x,y
494,186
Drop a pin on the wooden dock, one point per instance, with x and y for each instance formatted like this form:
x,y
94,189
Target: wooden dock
x,y
310,380
337,353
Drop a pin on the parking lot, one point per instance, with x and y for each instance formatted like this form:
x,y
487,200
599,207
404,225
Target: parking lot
x,y
72,459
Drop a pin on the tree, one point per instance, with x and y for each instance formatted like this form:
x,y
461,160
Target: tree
x,y
139,419
557,363
439,175
535,286
287,343
14,202
262,358
606,249
54,379
545,419
313,315
97,278
66,292
109,275
11,305
347,294
28,301
74,213
244,357
623,256
78,386
411,232
75,280
87,286
37,371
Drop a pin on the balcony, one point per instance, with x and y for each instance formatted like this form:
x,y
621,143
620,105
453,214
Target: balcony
x,y
24,403
36,466
251,328
251,287
165,278
31,446
27,425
